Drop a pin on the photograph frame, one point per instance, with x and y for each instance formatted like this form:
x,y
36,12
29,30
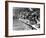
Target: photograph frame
x,y
6,18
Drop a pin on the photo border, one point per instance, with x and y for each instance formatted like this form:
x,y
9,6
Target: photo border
x,y
6,18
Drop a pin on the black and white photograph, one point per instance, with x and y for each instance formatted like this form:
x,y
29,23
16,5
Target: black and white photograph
x,y
24,18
